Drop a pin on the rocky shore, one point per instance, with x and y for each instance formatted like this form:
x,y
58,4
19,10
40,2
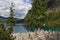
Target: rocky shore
x,y
38,35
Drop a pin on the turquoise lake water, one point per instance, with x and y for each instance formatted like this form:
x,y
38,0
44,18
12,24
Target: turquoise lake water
x,y
23,28
19,29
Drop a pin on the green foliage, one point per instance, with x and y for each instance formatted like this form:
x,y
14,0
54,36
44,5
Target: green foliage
x,y
11,20
53,19
37,13
6,33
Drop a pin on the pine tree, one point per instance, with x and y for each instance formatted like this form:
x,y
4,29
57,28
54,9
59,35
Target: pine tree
x,y
4,33
11,21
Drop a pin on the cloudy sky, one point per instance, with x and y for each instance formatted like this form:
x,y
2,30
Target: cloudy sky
x,y
21,7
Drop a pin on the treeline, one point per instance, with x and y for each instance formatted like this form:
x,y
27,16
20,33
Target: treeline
x,y
40,15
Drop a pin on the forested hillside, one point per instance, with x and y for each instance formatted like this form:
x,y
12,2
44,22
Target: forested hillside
x,y
44,12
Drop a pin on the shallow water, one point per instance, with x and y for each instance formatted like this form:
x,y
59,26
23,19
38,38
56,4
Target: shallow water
x,y
20,28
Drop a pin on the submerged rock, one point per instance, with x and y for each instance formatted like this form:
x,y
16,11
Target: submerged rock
x,y
38,35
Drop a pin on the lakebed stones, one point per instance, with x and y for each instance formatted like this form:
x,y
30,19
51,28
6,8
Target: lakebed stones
x,y
38,35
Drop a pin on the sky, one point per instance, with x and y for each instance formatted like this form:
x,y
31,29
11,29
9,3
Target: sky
x,y
21,8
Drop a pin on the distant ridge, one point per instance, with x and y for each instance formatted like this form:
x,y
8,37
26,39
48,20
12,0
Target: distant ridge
x,y
4,18
1,17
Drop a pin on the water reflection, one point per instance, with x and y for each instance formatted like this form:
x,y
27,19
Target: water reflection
x,y
19,28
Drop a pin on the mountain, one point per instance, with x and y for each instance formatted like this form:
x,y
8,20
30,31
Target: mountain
x,y
4,19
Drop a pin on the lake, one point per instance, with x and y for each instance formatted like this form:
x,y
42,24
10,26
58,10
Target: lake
x,y
20,28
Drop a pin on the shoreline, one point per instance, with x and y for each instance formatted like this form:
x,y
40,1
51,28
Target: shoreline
x,y
38,35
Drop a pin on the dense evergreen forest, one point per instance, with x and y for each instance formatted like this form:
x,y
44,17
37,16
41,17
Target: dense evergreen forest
x,y
44,12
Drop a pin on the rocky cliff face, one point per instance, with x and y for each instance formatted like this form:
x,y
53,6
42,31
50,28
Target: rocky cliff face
x,y
53,3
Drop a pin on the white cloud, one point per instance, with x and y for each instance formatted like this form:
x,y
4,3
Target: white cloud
x,y
21,7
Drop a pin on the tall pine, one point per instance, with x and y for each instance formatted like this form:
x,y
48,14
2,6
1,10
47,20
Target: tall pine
x,y
5,33
10,20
